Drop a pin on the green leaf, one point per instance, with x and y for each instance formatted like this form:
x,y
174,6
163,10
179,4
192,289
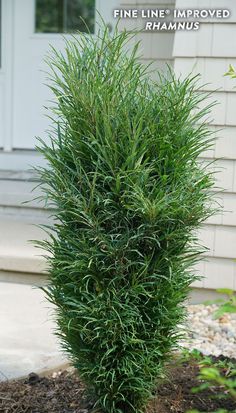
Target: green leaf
x,y
216,301
209,373
227,291
226,308
231,71
200,388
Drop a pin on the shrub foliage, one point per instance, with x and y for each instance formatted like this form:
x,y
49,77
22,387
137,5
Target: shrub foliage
x,y
129,194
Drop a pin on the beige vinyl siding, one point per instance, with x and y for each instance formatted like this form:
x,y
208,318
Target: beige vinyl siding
x,y
156,47
209,51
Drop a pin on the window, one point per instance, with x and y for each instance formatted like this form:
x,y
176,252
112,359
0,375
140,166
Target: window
x,y
64,16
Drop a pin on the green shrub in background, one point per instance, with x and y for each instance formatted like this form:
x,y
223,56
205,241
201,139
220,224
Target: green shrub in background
x,y
227,305
129,194
219,376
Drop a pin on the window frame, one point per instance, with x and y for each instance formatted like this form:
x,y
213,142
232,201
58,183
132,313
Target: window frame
x,y
54,35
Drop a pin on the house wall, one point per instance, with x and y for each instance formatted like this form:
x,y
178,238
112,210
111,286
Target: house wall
x,y
5,74
209,51
156,47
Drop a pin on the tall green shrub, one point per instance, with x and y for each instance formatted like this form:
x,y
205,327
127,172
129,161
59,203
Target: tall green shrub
x,y
129,194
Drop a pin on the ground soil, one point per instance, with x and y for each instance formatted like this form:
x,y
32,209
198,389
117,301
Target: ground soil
x,y
64,393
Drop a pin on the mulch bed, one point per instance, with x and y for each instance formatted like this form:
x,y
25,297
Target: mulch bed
x,y
64,393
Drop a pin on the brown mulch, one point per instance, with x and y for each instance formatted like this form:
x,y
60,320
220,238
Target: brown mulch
x,y
64,393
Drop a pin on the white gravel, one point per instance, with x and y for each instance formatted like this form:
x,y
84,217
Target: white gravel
x,y
208,335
